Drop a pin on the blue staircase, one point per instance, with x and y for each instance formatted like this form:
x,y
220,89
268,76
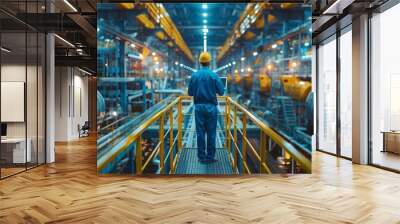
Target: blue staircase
x,y
288,111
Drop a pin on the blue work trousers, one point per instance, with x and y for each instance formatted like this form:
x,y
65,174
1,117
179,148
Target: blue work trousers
x,y
206,124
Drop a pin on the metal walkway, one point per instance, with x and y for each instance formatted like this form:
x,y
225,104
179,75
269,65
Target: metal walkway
x,y
176,151
188,162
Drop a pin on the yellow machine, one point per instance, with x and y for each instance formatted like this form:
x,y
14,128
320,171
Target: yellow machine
x,y
247,81
287,81
265,83
295,87
229,78
237,79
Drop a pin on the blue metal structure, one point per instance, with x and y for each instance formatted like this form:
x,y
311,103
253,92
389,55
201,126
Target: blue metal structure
x,y
281,47
190,20
141,68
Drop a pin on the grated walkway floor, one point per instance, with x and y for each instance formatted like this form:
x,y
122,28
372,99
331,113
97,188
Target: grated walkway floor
x,y
188,162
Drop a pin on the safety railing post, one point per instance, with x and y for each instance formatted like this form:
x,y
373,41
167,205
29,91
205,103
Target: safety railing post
x,y
228,125
138,155
171,141
244,144
235,137
180,121
263,152
161,137
293,165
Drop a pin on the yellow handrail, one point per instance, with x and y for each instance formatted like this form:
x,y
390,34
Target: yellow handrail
x,y
134,136
231,106
283,143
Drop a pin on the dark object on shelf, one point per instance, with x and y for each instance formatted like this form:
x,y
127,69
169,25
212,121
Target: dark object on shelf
x,y
3,129
84,130
391,141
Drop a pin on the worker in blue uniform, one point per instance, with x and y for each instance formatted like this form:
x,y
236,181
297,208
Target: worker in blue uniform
x,y
204,86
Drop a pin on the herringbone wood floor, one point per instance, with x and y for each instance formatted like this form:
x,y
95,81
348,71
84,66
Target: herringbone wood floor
x,y
70,191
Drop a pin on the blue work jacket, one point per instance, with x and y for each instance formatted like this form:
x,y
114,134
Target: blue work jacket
x,y
204,86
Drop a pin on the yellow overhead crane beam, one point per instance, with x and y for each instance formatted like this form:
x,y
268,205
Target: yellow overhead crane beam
x,y
159,13
127,5
251,13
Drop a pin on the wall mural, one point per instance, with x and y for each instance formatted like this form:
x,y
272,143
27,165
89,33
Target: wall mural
x,y
196,88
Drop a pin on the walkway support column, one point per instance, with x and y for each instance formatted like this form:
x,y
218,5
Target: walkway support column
x,y
360,89
50,93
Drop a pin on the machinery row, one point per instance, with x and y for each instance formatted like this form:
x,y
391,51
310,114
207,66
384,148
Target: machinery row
x,y
145,63
267,62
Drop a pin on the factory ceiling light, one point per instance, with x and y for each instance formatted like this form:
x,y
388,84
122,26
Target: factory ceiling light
x,y
255,53
70,5
204,21
5,50
66,41
205,14
84,71
204,6
337,7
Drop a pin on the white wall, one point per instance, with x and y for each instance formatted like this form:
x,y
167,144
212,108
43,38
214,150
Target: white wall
x,y
385,74
16,73
327,97
33,127
71,102
314,90
346,74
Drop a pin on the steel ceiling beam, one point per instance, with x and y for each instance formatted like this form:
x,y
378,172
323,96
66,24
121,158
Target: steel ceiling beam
x,y
79,61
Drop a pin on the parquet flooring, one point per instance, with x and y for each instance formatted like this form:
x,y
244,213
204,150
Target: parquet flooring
x,y
70,191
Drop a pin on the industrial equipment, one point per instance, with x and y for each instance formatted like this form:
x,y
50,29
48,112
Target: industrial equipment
x,y
145,65
265,84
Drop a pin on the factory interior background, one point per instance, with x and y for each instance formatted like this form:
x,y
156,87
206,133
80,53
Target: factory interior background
x,y
146,54
66,157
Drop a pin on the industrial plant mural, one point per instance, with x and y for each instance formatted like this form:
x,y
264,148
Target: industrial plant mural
x,y
165,107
